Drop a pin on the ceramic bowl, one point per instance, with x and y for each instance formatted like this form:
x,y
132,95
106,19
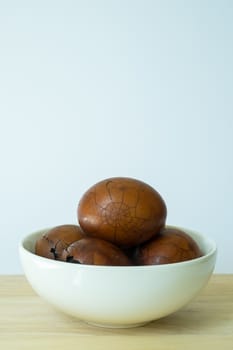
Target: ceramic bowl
x,y
117,296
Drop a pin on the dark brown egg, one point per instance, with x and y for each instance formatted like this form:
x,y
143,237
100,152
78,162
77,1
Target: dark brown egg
x,y
124,211
170,246
94,251
54,241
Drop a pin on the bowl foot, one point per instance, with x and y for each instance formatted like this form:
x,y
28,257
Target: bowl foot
x,y
113,325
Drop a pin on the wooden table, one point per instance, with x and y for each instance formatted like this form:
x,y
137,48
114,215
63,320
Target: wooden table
x,y
28,322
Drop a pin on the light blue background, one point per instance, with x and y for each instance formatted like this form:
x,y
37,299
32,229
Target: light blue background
x,y
93,89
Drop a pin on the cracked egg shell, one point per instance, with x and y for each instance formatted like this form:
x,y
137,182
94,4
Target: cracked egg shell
x,y
170,246
54,241
124,211
95,251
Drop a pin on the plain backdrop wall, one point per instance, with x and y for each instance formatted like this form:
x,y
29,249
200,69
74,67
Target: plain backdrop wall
x,y
93,89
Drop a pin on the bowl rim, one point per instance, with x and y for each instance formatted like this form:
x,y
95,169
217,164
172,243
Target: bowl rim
x,y
211,252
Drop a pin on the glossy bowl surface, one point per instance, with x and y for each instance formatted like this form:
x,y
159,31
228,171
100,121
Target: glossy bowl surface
x,y
117,296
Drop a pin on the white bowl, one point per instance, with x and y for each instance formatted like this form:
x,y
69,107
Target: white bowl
x,y
117,296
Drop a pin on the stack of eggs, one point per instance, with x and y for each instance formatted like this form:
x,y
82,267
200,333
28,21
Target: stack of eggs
x,y
122,222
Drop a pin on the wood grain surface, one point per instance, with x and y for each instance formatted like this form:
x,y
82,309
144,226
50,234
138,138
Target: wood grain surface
x,y
28,322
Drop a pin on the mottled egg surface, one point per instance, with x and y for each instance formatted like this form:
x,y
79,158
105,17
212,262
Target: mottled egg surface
x,y
55,240
122,210
170,246
95,251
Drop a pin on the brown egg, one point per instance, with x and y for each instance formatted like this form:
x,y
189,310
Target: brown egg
x,y
95,251
170,246
54,241
121,210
